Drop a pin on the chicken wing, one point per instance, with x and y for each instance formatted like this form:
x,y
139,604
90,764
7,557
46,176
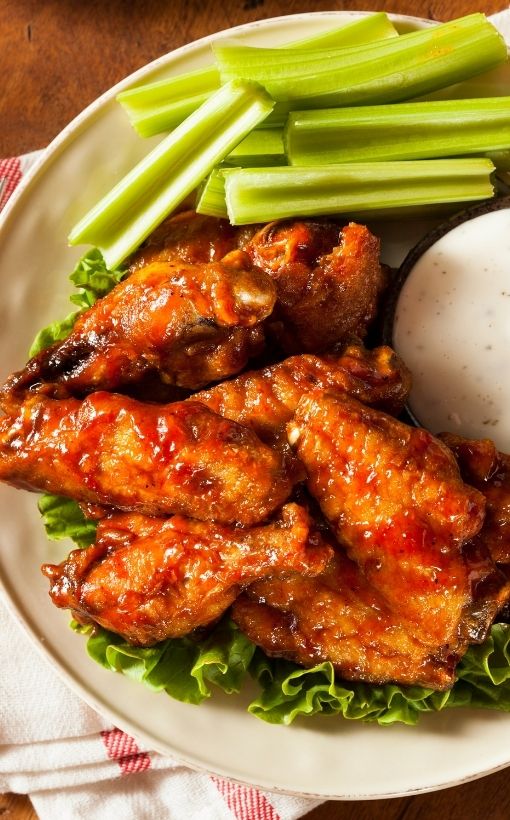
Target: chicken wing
x,y
149,579
328,281
192,324
156,459
265,400
339,617
482,466
187,237
395,499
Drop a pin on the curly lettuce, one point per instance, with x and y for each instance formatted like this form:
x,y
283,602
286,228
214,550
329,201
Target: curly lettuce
x,y
182,667
93,279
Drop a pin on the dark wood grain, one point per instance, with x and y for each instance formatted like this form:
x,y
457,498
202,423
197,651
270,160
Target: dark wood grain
x,y
57,56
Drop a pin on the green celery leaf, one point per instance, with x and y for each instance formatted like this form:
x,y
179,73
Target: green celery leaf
x,y
63,518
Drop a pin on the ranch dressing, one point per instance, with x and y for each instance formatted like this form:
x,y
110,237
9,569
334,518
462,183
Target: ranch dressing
x,y
452,328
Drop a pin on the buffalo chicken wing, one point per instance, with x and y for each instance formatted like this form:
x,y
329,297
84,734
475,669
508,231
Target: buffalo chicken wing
x,y
156,459
482,466
151,578
339,617
397,504
187,237
190,324
328,281
265,400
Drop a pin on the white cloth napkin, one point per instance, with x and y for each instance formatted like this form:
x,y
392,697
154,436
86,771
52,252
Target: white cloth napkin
x,y
68,759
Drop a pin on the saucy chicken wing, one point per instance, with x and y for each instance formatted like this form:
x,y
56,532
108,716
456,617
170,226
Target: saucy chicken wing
x,y
156,459
265,400
339,617
397,504
190,324
151,578
482,466
187,237
328,281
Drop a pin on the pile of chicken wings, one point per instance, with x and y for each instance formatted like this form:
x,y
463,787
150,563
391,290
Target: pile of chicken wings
x,y
220,417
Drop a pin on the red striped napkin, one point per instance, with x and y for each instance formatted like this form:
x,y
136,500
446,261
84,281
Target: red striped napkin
x,y
70,761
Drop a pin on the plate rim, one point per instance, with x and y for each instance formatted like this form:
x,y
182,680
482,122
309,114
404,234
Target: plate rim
x,y
28,624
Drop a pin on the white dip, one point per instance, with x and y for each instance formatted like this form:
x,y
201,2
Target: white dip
x,y
452,328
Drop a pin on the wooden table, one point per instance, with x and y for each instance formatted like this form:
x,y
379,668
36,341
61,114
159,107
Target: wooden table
x,y
58,55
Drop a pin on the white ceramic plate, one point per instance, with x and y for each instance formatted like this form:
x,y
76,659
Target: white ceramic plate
x,y
327,757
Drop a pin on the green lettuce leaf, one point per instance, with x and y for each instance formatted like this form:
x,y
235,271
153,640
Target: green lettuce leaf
x,y
185,670
63,518
182,667
288,691
93,280
55,332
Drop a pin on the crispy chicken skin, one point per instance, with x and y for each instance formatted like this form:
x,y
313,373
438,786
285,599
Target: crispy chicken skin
x,y
187,237
265,400
338,616
328,281
192,324
396,502
155,459
482,466
149,579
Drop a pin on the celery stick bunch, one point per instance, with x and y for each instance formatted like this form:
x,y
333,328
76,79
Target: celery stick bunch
x,y
162,105
365,155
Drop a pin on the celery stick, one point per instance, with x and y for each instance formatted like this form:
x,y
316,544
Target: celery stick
x,y
367,29
262,194
211,196
417,130
501,159
382,72
165,117
152,189
262,147
179,87
162,105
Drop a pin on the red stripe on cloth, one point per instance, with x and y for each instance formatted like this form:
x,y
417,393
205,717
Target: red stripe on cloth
x,y
124,749
244,802
10,175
